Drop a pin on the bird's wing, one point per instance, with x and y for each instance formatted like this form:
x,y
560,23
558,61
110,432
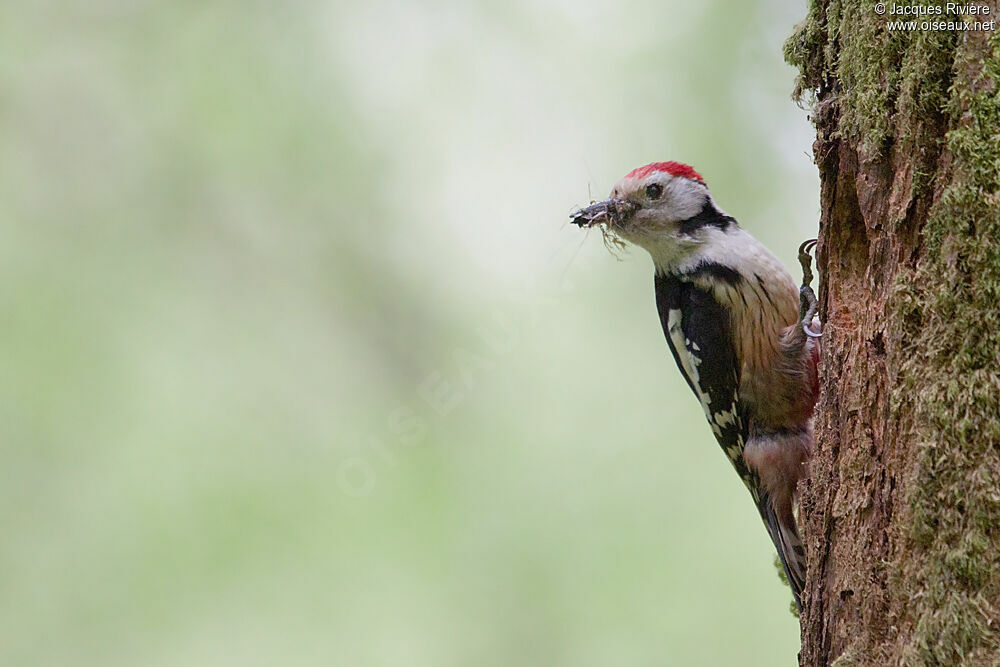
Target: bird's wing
x,y
697,330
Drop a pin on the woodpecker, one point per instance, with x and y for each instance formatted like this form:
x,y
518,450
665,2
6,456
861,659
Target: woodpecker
x,y
743,334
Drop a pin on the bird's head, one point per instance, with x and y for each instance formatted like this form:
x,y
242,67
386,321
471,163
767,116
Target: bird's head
x,y
662,207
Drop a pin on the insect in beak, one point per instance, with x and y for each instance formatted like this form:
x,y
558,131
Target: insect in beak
x,y
610,211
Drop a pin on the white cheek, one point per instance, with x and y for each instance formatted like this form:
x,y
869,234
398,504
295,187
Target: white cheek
x,y
688,209
683,199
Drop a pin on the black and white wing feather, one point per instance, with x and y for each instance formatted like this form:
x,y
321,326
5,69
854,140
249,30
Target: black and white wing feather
x,y
697,330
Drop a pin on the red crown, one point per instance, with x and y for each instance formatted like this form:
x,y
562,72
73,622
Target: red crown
x,y
672,168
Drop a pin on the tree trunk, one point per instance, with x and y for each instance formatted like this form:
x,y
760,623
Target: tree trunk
x,y
901,510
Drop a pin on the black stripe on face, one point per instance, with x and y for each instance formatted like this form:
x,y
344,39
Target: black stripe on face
x,y
709,216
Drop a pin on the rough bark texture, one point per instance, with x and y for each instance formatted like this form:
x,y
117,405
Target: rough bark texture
x,y
901,511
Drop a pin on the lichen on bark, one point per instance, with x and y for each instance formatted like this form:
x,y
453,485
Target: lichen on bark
x,y
902,508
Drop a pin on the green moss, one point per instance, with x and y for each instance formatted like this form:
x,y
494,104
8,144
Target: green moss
x,y
784,579
804,51
880,80
952,356
954,632
846,659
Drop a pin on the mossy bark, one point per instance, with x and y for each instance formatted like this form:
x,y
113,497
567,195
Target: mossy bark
x,y
901,510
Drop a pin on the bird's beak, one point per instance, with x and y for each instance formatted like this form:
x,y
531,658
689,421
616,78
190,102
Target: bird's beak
x,y
610,211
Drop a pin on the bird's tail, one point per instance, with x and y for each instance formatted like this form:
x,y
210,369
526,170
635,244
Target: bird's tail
x,y
785,536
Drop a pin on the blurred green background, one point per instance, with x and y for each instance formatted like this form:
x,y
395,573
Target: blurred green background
x,y
303,364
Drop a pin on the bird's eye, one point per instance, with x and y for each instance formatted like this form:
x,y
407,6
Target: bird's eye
x,y
654,190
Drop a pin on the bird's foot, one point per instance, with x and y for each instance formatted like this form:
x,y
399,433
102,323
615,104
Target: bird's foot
x,y
807,298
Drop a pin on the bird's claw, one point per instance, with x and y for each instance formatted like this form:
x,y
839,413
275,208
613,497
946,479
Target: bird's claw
x,y
805,259
807,298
